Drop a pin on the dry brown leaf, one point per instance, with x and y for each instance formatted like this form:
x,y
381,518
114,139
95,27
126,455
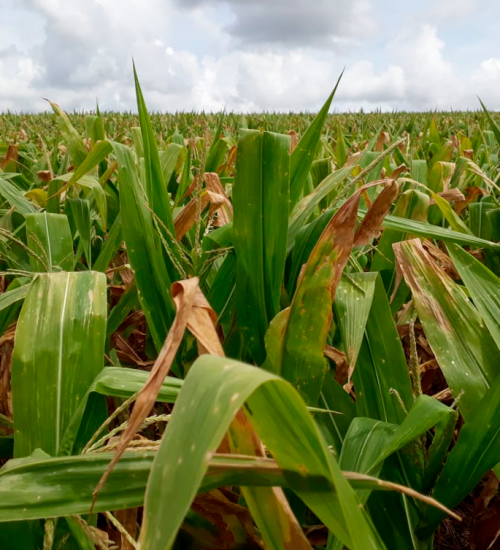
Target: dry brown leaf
x,y
224,214
44,175
184,295
442,259
443,395
488,492
485,530
450,195
128,518
398,171
353,158
372,222
294,140
383,139
187,216
5,375
12,155
334,354
472,193
229,164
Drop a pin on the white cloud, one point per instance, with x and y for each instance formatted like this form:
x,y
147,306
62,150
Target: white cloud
x,y
298,23
454,9
82,50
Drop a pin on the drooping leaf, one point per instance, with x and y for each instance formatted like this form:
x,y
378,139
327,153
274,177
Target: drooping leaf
x,y
369,442
65,484
464,349
76,148
15,197
429,231
220,387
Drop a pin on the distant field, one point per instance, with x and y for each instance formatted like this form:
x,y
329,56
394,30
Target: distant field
x,y
198,124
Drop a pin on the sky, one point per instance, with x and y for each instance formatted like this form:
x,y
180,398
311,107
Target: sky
x,y
250,55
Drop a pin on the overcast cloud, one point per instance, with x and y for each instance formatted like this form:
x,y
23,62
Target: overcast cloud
x,y
249,55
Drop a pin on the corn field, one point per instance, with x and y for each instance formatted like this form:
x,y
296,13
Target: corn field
x,y
269,331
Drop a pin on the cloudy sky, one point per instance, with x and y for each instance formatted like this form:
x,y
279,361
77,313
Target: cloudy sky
x,y
250,55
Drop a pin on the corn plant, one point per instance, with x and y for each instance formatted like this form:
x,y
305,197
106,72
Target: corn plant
x,y
222,332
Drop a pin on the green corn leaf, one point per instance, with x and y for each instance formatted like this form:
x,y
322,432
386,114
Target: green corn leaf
x,y
381,376
92,159
93,188
341,149
479,221
305,208
143,248
429,231
80,210
36,488
186,177
76,148
156,188
94,128
49,236
412,204
353,303
217,150
369,442
169,158
493,124
451,216
127,302
13,296
220,387
59,347
335,426
303,155
111,245
483,287
260,198
305,241
15,197
65,484
221,295
443,436
124,382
